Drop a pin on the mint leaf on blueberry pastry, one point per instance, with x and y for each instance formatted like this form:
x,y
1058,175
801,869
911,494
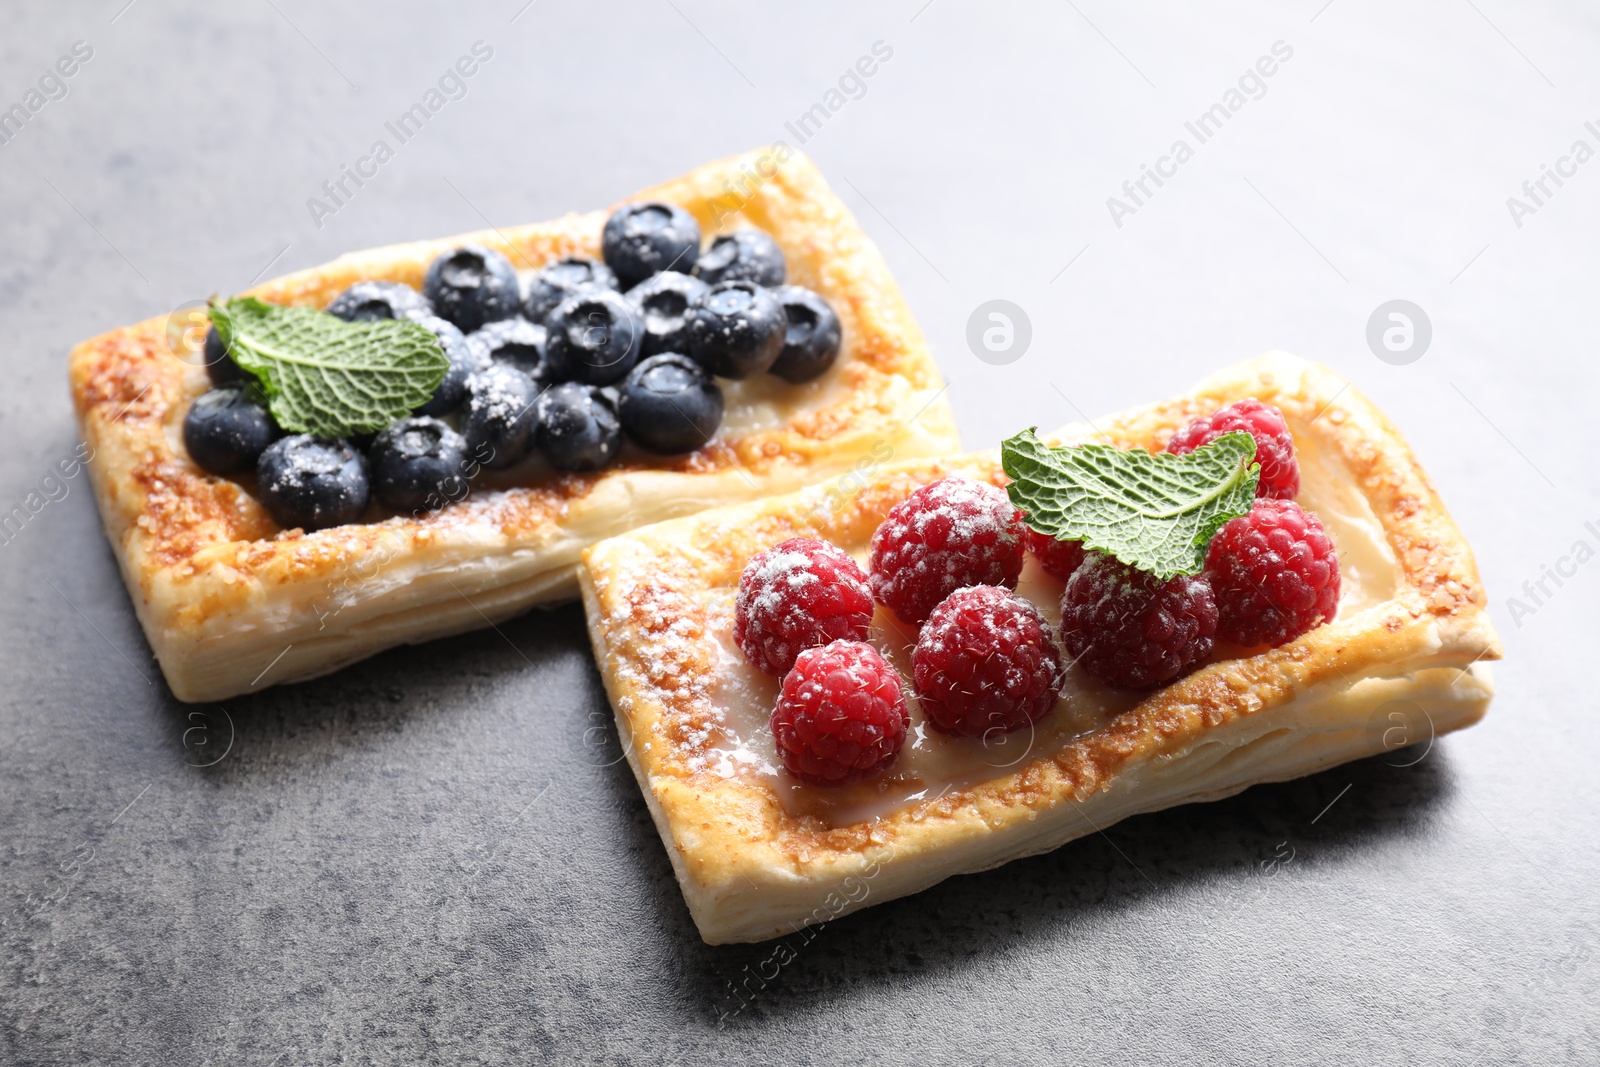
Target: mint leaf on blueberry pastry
x,y
1156,512
327,377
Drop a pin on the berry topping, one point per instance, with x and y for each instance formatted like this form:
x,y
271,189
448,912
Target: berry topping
x,y
1280,474
953,533
554,282
744,255
798,595
501,415
736,330
841,715
669,404
812,336
1059,558
464,359
640,239
594,338
662,303
312,484
985,662
371,301
472,285
418,464
578,428
1275,573
220,367
515,342
226,429
1132,629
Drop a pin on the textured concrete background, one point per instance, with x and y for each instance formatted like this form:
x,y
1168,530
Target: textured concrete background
x,y
419,860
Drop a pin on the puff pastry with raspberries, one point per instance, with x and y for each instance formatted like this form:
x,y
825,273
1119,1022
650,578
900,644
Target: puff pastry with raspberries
x,y
759,853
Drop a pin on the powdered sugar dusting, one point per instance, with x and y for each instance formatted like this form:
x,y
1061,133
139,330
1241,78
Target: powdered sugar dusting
x,y
300,467
797,595
500,393
973,511
660,632
763,583
948,534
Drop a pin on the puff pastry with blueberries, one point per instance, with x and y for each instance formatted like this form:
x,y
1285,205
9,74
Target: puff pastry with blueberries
x,y
232,600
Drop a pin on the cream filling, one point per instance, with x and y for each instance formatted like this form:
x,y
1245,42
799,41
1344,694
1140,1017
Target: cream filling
x,y
932,763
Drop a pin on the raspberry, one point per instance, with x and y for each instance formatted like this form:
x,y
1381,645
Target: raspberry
x,y
798,595
986,661
1059,558
1275,573
841,715
1280,474
947,535
1131,628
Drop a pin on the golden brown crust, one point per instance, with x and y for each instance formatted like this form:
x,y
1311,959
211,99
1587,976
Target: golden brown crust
x,y
221,590
751,869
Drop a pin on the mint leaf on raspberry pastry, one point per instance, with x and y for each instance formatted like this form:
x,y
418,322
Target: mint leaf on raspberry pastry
x,y
1156,512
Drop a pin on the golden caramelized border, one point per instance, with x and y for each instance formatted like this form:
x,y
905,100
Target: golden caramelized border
x,y
729,838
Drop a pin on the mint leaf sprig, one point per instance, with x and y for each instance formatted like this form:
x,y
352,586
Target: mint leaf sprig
x,y
324,376
1153,511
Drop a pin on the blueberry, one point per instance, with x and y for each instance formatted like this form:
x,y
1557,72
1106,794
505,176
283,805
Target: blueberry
x,y
373,301
472,285
743,255
556,281
640,239
311,483
419,464
220,367
515,342
464,359
578,427
594,338
736,330
811,343
670,404
500,416
662,303
226,429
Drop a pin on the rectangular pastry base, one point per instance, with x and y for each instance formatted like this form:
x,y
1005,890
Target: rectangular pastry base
x,y
758,855
231,604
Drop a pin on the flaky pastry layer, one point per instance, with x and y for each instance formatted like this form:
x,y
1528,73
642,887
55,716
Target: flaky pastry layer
x,y
230,602
754,864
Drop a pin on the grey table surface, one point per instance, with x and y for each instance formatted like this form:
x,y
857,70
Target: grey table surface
x,y
419,860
